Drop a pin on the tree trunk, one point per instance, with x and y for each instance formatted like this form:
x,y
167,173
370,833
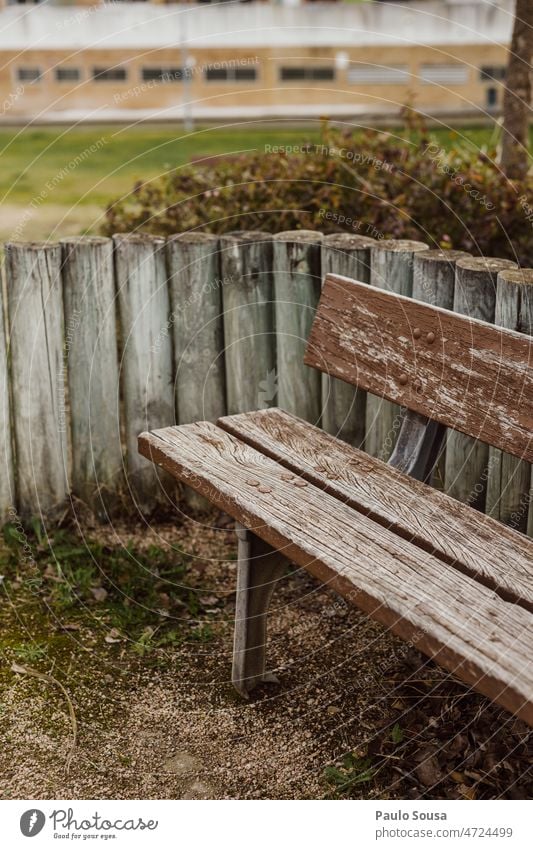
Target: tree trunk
x,y
517,95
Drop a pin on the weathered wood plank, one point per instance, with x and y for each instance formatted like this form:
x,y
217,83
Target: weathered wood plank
x,y
35,308
466,468
249,336
7,478
392,266
473,543
508,487
297,279
196,304
343,406
463,625
146,363
92,365
464,373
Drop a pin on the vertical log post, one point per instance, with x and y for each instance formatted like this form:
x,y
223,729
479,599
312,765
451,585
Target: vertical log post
x,y
7,477
297,276
344,406
434,283
146,363
392,269
195,282
196,303
92,367
509,483
249,334
466,468
35,308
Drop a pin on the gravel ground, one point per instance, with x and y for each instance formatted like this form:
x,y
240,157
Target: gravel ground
x,y
357,713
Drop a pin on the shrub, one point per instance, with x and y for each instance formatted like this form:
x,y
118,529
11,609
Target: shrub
x,y
386,184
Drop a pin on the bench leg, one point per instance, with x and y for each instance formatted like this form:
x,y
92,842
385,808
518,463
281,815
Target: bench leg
x,y
259,568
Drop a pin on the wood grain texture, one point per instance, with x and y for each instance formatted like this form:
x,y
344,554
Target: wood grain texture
x,y
35,307
146,363
7,477
92,366
466,468
196,303
297,279
392,267
249,336
434,283
509,481
344,406
464,373
480,547
463,625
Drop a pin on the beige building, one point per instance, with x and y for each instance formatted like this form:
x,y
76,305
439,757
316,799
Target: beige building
x,y
131,61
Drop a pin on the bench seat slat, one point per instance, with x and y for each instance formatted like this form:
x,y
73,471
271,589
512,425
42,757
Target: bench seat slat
x,y
476,544
463,373
462,624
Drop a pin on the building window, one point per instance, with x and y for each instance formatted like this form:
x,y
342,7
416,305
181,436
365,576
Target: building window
x,y
492,97
293,74
163,75
109,74
68,75
29,75
455,74
237,75
375,75
492,73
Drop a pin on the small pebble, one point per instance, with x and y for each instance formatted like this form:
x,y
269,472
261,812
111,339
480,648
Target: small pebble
x,y
264,489
252,482
286,476
300,482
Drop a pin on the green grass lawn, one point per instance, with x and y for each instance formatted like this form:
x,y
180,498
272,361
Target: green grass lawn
x,y
58,180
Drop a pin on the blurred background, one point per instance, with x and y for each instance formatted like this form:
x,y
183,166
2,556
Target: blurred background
x,y
97,97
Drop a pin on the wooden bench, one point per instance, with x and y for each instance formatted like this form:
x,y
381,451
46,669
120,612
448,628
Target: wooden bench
x,y
454,583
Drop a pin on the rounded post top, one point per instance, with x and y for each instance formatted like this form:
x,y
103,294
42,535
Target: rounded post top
x,y
439,255
518,276
244,237
349,241
194,237
400,246
484,264
302,236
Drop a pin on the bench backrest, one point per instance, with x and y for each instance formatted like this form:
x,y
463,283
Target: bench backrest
x,y
463,373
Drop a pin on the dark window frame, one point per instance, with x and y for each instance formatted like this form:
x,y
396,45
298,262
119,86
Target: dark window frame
x,y
238,74
73,74
306,73
22,70
116,74
152,73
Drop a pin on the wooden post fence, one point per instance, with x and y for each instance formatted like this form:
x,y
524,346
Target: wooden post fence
x,y
35,307
391,269
466,469
343,406
146,354
92,368
297,276
509,483
7,478
249,336
107,338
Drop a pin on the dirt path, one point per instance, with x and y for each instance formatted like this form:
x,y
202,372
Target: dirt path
x,y
357,713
